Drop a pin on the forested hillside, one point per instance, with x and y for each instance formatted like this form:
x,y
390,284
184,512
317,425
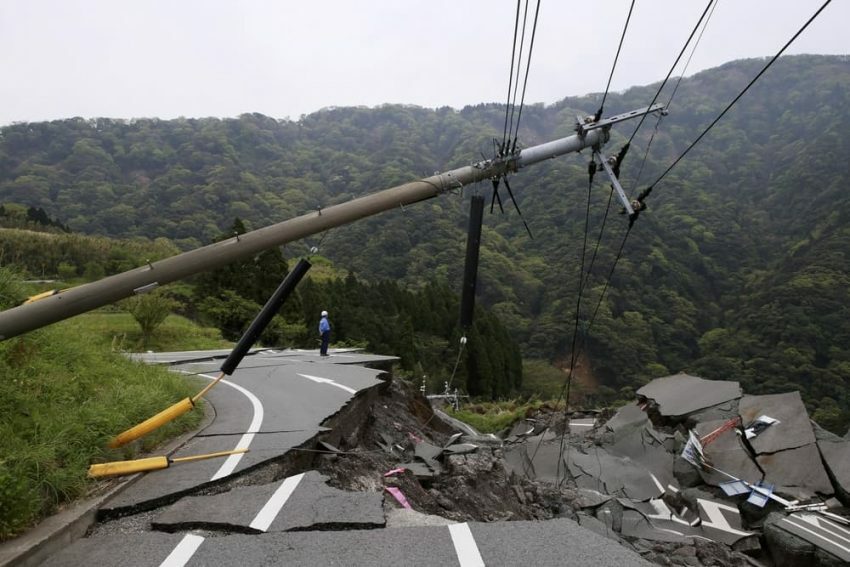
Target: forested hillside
x,y
738,270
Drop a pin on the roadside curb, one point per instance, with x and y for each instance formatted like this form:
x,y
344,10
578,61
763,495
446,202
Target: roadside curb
x,y
60,530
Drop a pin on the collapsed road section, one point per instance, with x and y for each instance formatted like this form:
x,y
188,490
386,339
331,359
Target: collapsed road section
x,y
693,460
692,473
344,467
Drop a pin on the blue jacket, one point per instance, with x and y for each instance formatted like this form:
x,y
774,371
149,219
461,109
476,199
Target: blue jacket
x,y
324,326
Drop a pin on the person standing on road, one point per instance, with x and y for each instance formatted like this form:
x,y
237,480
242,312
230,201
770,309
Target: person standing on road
x,y
325,332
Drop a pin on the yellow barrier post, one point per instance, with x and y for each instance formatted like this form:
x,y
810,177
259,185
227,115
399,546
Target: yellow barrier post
x,y
119,468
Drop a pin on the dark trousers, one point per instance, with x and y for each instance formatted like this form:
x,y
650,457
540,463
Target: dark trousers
x,y
326,338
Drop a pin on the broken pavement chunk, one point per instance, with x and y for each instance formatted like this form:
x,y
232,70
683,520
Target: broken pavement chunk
x,y
682,394
727,453
795,430
836,456
313,504
461,449
798,472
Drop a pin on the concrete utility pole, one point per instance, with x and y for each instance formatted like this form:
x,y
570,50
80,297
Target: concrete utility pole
x,y
74,301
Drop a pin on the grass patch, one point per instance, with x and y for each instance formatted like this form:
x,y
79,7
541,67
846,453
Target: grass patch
x,y
119,331
492,417
63,395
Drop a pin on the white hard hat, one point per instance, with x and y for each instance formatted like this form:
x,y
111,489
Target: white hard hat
x,y
324,313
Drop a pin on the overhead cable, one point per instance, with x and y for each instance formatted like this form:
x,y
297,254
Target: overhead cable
x,y
673,94
518,70
527,69
510,83
676,62
648,190
614,66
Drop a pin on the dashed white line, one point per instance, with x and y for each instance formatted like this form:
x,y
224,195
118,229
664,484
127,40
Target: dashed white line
x,y
465,546
269,512
183,552
190,543
328,381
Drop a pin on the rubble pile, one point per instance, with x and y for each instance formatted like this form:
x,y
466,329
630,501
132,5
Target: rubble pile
x,y
696,460
694,472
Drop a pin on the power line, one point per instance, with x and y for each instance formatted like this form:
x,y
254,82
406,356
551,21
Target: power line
x,y
527,69
673,94
691,56
518,70
648,190
510,81
670,72
614,66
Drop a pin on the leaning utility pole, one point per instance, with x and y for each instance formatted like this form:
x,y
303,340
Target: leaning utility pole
x,y
70,302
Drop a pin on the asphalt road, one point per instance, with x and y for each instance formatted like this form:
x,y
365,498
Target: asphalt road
x,y
274,403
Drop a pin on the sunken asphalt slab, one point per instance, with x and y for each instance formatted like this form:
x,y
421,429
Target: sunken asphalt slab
x,y
285,408
313,505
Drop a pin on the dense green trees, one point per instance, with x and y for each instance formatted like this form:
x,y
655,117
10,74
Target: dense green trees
x,y
738,270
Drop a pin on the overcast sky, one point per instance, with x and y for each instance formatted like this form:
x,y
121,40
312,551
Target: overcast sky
x,y
64,58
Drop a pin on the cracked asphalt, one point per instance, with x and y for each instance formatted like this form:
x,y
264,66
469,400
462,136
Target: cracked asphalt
x,y
264,507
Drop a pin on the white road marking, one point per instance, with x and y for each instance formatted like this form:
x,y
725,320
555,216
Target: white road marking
x,y
814,533
465,546
271,509
245,442
183,552
716,519
824,524
190,543
328,381
657,483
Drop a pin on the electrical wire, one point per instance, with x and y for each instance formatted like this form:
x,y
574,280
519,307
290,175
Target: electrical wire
x,y
614,66
731,104
519,65
673,94
676,62
691,56
510,81
527,69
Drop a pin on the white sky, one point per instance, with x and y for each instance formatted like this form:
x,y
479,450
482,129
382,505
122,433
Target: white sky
x,y
284,58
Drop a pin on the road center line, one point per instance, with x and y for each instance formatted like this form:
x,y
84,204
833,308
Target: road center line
x,y
245,442
190,543
465,546
328,381
183,552
271,509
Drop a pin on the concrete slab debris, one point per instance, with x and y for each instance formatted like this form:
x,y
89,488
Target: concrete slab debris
x,y
727,453
591,498
797,472
419,470
626,421
821,533
836,457
794,429
595,468
682,394
461,449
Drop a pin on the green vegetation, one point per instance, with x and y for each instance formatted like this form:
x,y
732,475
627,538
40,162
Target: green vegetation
x,y
122,333
63,395
738,270
493,417
150,311
74,258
